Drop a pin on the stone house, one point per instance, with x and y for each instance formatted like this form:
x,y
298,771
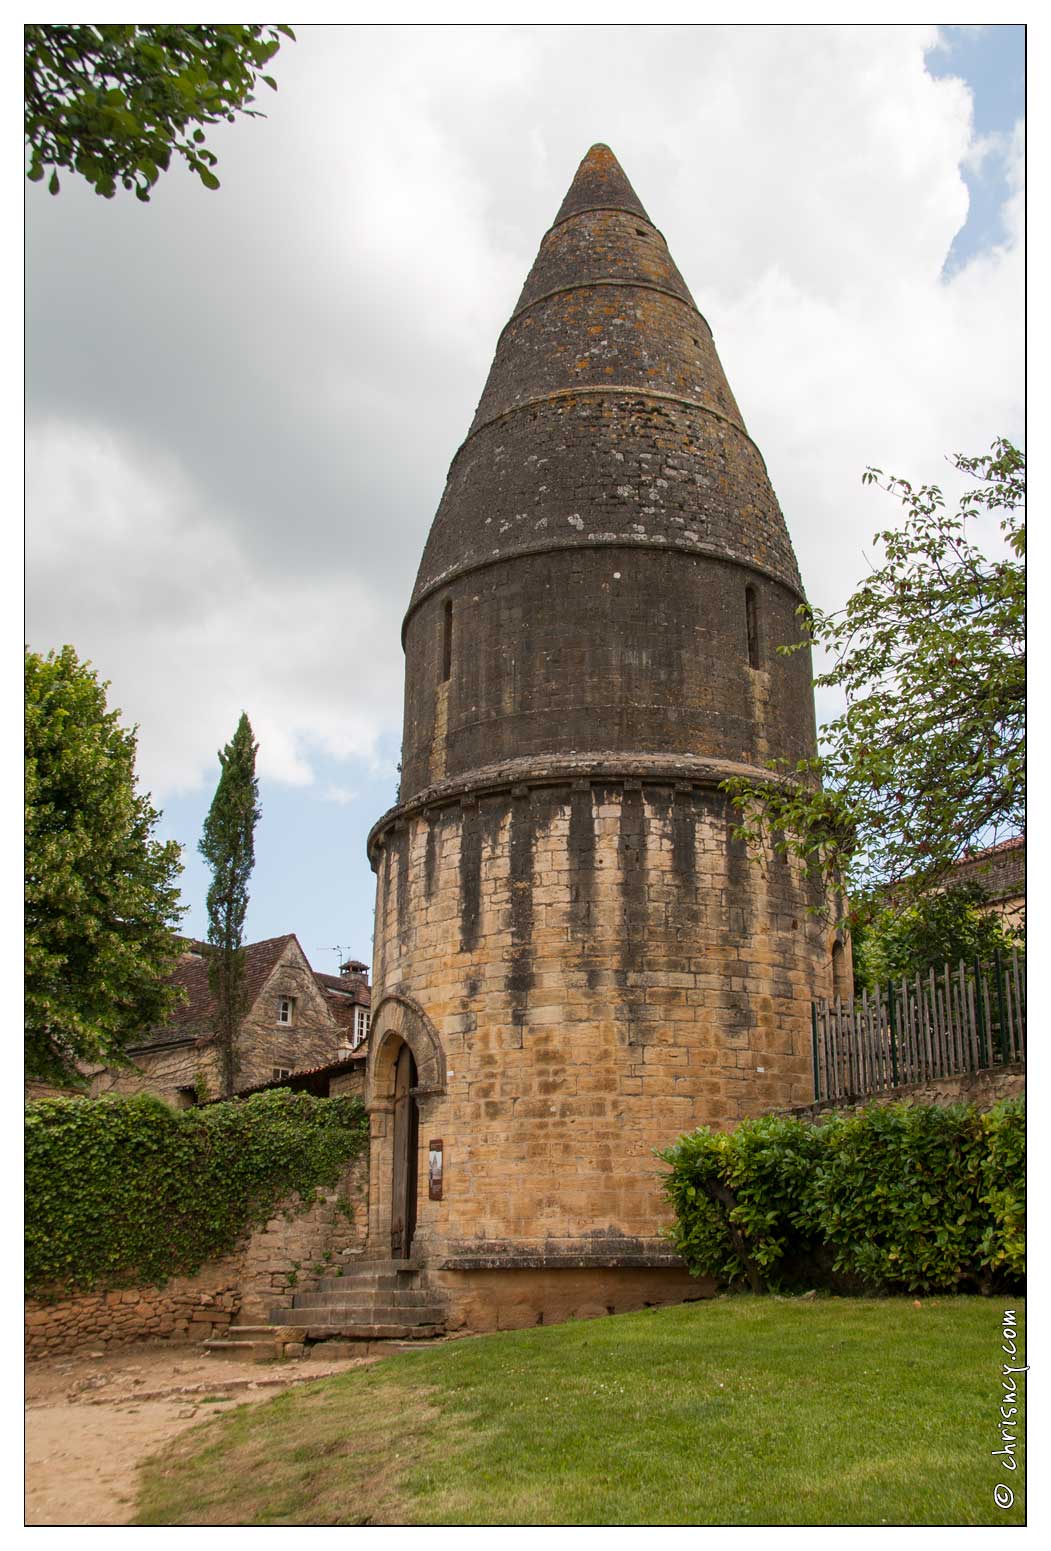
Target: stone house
x,y
1000,870
296,1021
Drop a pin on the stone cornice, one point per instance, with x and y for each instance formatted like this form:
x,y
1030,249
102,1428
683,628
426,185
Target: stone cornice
x,y
574,215
590,1251
609,390
545,770
626,285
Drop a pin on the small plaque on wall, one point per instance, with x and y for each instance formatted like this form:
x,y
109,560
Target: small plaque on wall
x,y
434,1169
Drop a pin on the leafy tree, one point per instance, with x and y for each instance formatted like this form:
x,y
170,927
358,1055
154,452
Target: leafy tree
x,y
101,900
228,847
928,759
941,928
112,101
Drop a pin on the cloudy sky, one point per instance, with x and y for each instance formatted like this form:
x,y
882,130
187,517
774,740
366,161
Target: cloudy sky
x,y
242,404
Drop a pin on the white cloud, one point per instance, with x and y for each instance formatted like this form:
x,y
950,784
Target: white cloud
x,y
173,609
242,405
341,795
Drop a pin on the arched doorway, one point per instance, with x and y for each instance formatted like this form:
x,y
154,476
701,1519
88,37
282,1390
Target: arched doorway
x,y
405,1081
406,1149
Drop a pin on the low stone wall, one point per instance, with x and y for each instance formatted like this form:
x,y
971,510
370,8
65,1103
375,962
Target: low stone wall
x,y
186,1308
515,1300
985,1088
291,1252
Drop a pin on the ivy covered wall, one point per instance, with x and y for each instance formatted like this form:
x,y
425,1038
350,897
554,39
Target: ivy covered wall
x,y
126,1191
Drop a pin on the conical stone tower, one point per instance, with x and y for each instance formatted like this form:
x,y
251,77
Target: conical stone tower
x,y
574,960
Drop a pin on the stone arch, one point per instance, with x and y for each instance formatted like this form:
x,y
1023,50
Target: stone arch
x,y
398,1020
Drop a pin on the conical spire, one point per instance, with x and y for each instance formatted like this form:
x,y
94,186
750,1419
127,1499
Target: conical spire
x,y
600,184
607,417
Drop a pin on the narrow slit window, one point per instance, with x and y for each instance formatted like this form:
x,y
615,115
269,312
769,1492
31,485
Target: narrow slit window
x,y
751,610
447,640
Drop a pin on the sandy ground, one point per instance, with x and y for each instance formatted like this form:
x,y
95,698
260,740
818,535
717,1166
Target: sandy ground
x,y
91,1419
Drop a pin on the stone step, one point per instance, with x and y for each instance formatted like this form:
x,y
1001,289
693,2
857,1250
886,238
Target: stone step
x,y
282,1332
362,1314
397,1297
327,1350
384,1263
257,1351
371,1313
364,1278
326,1330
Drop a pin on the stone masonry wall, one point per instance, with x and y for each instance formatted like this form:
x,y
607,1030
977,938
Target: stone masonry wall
x,y
649,654
167,1071
186,1308
292,1251
984,1088
605,968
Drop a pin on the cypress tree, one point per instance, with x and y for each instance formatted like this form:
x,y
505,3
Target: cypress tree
x,y
227,845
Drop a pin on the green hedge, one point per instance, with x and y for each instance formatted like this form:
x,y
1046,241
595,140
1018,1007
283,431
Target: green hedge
x,y
122,1191
894,1198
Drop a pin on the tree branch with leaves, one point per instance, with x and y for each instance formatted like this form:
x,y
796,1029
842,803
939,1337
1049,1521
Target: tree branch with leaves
x,y
927,761
114,101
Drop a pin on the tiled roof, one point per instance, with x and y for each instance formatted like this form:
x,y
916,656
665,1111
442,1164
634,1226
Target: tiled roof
x,y
333,1068
194,1018
347,985
996,850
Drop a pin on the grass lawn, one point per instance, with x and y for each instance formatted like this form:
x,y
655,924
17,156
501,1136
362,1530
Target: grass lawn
x,y
737,1411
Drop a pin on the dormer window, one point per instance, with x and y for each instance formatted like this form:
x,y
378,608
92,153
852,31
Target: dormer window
x,y
286,1007
361,1026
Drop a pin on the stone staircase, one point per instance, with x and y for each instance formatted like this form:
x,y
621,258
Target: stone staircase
x,y
382,1301
376,1300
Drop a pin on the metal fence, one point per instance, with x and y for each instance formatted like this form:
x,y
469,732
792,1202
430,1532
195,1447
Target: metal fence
x,y
935,1025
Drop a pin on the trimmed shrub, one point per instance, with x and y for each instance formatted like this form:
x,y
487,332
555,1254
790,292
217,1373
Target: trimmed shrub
x,y
121,1191
895,1198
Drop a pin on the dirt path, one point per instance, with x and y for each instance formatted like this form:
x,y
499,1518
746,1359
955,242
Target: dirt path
x,y
90,1420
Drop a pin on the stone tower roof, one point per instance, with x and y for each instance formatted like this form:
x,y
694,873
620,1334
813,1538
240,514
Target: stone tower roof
x,y
607,417
600,184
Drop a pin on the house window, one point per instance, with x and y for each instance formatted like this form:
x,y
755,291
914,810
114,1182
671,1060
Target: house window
x,y
281,1072
361,1026
286,1006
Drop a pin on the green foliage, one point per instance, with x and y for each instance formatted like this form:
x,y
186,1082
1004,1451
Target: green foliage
x,y
1003,1190
737,1196
891,944
928,759
113,101
101,899
228,846
125,1191
895,1198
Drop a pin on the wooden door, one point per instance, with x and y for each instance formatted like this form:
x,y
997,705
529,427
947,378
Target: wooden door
x,y
406,1149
